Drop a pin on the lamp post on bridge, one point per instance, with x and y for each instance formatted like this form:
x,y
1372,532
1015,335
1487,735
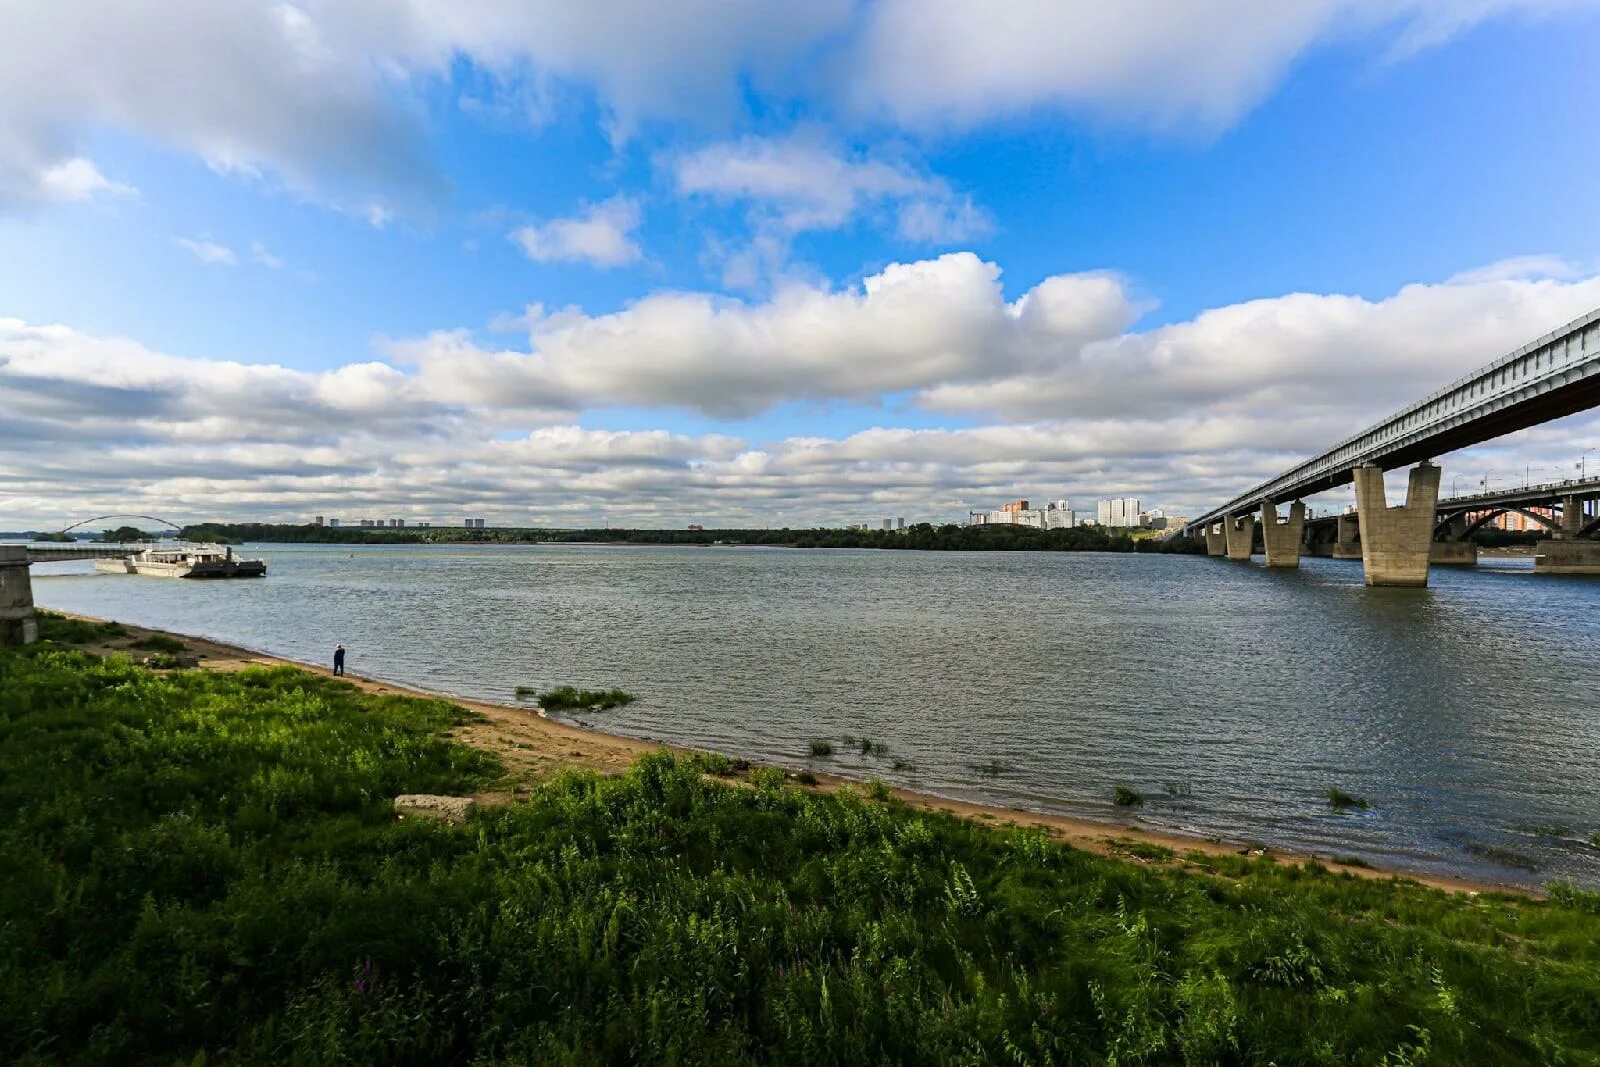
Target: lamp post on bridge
x,y
1582,469
1527,475
1484,484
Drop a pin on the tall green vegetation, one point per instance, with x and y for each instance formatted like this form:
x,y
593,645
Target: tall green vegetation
x,y
207,863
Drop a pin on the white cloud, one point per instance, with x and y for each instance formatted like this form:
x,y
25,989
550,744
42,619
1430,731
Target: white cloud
x,y
208,251
321,95
1150,62
601,236
803,183
1183,415
79,179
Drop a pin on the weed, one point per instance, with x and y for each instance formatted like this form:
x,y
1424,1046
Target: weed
x,y
59,628
821,747
527,692
1503,856
805,778
873,748
993,769
1351,861
158,643
1144,850
907,765
714,763
1126,798
1339,800
567,698
879,790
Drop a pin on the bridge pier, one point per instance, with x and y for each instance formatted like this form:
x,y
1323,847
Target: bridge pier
x,y
1571,518
18,624
1282,540
1241,535
1567,557
1346,544
1453,549
1396,542
1216,540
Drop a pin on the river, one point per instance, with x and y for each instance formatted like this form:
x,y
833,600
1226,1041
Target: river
x,y
1230,696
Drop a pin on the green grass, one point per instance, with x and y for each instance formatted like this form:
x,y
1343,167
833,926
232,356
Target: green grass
x,y
821,747
205,865
53,627
159,643
568,698
1339,800
1124,797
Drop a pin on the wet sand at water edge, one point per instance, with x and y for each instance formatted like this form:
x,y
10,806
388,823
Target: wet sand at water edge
x,y
534,748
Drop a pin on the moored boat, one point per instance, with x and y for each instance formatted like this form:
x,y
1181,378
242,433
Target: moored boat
x,y
184,561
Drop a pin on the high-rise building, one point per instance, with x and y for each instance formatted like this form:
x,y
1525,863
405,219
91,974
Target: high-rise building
x,y
900,523
333,522
317,521
1121,511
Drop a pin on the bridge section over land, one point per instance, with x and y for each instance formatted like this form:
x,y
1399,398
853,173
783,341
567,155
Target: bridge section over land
x,y
1557,374
18,626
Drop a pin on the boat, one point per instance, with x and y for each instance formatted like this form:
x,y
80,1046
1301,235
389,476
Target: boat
x,y
184,561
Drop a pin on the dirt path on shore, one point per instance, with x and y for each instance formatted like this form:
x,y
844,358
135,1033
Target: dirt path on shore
x,y
534,748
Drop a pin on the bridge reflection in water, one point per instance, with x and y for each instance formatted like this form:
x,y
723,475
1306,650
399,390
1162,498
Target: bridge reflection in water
x,y
1553,376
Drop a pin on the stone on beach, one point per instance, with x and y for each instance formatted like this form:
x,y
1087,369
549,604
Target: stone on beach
x,y
427,806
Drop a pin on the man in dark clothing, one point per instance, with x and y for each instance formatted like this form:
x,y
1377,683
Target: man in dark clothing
x,y
338,659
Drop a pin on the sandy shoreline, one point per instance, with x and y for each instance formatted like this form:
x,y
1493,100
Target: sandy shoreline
x,y
534,747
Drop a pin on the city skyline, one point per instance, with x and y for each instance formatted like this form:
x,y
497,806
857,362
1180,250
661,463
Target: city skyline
x,y
543,270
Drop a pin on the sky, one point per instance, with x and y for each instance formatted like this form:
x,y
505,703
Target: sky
x,y
747,263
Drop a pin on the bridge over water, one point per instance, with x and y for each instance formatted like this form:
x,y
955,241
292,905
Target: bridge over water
x,y
1555,375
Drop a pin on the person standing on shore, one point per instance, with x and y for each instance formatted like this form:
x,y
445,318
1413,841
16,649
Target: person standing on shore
x,y
338,660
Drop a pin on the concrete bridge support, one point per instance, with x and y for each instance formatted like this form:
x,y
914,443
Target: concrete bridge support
x,y
1571,518
1216,541
1567,557
18,625
1241,531
1347,544
1396,542
1453,549
1282,540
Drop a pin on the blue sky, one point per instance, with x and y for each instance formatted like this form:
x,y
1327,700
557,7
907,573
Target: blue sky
x,y
1086,233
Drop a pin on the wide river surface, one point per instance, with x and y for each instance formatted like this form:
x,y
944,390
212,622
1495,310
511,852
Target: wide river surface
x,y
1230,696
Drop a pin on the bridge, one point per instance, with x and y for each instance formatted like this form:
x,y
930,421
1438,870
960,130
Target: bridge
x,y
18,623
1555,375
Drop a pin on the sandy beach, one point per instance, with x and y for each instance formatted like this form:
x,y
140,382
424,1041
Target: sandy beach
x,y
534,747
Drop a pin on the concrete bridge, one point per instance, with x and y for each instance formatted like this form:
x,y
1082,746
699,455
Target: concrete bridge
x,y
1557,374
18,624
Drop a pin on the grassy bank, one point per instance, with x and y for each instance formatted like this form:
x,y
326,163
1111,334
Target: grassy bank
x,y
205,861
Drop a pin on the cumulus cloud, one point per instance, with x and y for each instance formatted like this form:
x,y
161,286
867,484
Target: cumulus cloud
x,y
1182,415
602,236
800,182
321,95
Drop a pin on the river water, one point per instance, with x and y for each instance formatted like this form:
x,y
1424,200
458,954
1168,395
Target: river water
x,y
1230,696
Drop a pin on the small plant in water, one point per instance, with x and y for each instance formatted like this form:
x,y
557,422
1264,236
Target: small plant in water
x,y
1339,800
1127,798
907,765
806,778
873,748
993,769
565,696
527,692
821,747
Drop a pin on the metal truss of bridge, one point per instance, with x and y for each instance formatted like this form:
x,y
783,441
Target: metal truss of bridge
x,y
1555,375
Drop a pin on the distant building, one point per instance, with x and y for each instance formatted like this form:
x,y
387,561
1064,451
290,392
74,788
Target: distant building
x,y
1056,515
696,526
333,522
473,524
317,521
900,523
1120,512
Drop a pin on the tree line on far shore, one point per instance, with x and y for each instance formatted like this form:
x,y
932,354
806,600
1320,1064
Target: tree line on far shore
x,y
923,536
